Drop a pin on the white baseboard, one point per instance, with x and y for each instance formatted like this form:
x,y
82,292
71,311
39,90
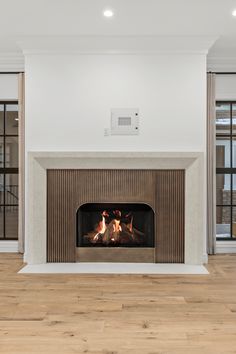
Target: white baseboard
x,y
205,258
9,247
225,247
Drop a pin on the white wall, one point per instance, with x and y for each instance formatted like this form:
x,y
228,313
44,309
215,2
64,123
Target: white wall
x,y
69,98
226,87
8,87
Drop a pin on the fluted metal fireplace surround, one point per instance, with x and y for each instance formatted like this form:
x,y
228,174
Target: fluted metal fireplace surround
x,y
114,215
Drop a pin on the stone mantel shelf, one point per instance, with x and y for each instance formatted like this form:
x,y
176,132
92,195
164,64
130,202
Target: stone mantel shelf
x,y
115,160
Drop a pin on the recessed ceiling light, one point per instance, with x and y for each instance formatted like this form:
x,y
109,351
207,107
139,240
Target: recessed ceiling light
x,y
234,13
108,13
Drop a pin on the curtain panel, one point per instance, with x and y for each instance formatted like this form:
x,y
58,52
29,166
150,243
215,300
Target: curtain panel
x,y
21,105
211,165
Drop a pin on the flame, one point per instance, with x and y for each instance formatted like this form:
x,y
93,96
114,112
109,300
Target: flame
x,y
130,225
101,227
116,226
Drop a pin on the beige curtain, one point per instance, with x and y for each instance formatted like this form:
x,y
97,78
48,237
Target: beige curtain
x,y
21,102
211,165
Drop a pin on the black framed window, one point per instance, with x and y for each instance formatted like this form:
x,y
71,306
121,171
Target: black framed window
x,y
226,170
9,170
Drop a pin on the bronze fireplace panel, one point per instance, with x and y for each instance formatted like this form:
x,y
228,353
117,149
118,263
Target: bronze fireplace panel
x,y
162,190
170,222
120,255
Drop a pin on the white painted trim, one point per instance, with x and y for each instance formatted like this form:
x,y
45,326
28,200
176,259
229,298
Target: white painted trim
x,y
225,247
205,258
75,52
8,246
116,44
12,62
221,63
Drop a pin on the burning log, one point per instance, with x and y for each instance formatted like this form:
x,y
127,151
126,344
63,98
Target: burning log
x,y
112,230
112,233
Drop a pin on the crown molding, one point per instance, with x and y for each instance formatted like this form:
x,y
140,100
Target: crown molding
x,y
11,62
116,45
216,63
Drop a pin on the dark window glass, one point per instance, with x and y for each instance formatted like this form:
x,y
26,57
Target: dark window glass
x,y
234,118
11,120
1,151
234,223
8,170
223,151
11,189
11,151
11,222
222,118
223,222
1,119
1,222
1,189
223,189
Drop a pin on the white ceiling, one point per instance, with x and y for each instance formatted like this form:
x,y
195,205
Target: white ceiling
x,y
132,17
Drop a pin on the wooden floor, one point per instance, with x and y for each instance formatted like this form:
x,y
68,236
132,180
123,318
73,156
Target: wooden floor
x,y
118,314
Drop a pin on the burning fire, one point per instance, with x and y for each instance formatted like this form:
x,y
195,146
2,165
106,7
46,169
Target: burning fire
x,y
101,227
115,229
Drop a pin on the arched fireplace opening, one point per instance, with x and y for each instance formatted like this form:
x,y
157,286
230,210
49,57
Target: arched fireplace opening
x,y
115,225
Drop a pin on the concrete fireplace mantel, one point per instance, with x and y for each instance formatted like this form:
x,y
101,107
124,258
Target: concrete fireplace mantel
x,y
191,162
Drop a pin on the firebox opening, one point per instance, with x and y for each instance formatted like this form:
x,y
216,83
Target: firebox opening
x,y
115,225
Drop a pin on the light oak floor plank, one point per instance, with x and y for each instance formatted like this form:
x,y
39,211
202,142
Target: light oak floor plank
x,y
118,314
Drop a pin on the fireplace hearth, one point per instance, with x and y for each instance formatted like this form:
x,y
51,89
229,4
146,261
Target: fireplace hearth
x,y
115,225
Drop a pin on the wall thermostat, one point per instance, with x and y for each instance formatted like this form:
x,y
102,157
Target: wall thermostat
x,y
124,121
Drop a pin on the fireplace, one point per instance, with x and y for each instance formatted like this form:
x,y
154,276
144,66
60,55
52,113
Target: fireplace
x,y
170,182
107,215
115,225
